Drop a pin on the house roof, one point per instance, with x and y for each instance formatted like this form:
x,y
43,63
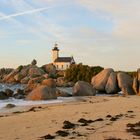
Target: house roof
x,y
64,59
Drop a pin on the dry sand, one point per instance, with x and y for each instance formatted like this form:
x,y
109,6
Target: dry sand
x,y
32,125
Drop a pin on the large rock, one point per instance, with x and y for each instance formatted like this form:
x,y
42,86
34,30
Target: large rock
x,y
9,92
82,88
112,84
19,94
25,80
3,95
36,80
100,80
42,93
33,83
49,68
10,77
18,77
35,72
135,85
49,83
60,81
139,79
125,83
62,93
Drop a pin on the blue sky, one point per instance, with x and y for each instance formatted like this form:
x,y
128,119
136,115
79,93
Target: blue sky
x,y
95,32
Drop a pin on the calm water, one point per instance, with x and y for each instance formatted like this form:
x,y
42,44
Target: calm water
x,y
22,102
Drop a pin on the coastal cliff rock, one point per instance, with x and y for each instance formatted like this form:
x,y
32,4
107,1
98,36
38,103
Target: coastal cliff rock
x,y
125,83
100,80
42,93
82,88
112,84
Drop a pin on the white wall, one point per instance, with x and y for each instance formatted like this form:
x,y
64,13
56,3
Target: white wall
x,y
62,65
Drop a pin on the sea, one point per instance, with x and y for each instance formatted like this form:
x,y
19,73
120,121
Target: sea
x,y
23,102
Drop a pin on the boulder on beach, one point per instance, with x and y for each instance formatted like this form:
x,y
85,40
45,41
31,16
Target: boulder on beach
x,y
125,83
19,94
100,80
38,79
60,81
42,93
49,83
82,88
3,95
10,106
62,93
9,92
135,85
139,79
112,84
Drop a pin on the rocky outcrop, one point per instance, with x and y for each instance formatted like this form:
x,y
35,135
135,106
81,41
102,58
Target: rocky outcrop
x,y
19,94
34,62
112,84
100,80
61,82
3,95
49,83
9,92
125,83
136,85
62,93
49,68
23,74
35,72
82,88
139,80
42,93
10,77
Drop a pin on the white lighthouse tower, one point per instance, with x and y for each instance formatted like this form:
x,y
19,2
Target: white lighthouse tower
x,y
55,52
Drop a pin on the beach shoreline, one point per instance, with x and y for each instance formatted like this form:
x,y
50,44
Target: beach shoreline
x,y
40,120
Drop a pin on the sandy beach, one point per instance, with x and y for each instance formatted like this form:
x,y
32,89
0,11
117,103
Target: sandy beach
x,y
107,118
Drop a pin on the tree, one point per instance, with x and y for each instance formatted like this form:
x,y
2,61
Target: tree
x,y
81,72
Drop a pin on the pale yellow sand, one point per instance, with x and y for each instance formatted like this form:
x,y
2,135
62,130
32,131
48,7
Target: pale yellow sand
x,y
33,125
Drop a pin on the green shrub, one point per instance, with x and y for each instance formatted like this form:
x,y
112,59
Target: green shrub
x,y
81,72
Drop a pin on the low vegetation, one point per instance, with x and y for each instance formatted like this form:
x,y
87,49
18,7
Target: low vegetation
x,y
81,72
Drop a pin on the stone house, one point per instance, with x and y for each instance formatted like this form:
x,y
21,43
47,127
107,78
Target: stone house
x,y
61,63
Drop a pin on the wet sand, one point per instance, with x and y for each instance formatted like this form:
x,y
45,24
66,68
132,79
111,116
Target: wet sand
x,y
98,118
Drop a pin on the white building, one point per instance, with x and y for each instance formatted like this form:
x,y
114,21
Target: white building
x,y
61,63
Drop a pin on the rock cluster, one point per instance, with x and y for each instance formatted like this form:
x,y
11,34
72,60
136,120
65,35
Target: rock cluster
x,y
136,83
82,88
111,82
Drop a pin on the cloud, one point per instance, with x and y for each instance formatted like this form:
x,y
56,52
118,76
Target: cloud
x,y
27,12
